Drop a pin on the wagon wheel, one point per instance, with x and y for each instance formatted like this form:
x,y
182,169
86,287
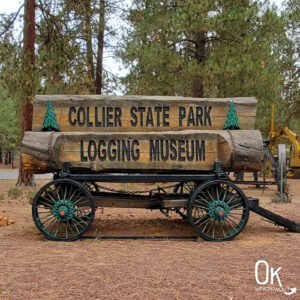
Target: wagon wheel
x,y
63,210
218,210
91,186
184,188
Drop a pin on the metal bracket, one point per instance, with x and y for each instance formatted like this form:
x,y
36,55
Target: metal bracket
x,y
65,171
219,169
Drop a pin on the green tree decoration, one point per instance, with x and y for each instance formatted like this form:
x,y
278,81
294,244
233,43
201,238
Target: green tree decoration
x,y
50,122
232,121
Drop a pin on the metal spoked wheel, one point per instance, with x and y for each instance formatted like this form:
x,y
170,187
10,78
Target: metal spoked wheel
x,y
91,186
184,188
63,210
218,210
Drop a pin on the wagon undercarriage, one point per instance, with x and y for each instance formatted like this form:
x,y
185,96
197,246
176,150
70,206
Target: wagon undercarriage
x,y
216,208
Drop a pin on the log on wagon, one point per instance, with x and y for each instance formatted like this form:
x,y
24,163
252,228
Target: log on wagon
x,y
89,113
180,151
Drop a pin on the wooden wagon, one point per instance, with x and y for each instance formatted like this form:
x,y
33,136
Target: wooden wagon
x,y
88,140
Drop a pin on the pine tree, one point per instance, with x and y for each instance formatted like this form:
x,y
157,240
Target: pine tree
x,y
212,48
75,38
232,121
50,122
195,48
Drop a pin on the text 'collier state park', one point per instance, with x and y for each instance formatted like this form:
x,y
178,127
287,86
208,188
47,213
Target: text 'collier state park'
x,y
95,113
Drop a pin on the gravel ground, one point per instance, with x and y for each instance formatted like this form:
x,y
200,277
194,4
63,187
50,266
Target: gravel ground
x,y
34,268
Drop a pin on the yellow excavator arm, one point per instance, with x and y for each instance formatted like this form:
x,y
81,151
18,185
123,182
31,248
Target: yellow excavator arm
x,y
285,133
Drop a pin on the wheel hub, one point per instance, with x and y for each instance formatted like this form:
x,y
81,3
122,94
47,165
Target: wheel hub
x,y
218,210
63,210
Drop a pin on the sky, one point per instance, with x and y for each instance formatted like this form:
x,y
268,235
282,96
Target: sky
x,y
10,6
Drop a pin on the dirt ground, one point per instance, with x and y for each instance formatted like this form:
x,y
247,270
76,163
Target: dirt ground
x,y
32,267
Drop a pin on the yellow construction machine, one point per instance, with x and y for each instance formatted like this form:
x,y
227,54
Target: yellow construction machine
x,y
273,160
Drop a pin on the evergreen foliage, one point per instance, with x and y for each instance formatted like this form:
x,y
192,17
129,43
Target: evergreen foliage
x,y
9,121
247,52
250,49
74,39
69,56
232,121
50,122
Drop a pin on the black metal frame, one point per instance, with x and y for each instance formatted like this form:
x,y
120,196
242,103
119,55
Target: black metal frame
x,y
247,182
218,173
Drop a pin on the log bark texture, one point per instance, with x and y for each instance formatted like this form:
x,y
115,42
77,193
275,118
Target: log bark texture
x,y
89,113
159,152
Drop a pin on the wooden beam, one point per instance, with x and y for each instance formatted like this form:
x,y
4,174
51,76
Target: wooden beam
x,y
90,113
160,152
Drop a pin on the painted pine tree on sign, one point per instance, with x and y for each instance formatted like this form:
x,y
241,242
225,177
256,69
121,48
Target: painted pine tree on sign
x,y
50,122
232,121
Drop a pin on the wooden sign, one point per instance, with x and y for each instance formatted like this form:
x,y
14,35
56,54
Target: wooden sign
x,y
189,150
76,113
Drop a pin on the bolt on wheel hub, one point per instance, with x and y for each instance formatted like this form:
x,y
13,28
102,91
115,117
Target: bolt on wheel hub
x,y
218,210
63,210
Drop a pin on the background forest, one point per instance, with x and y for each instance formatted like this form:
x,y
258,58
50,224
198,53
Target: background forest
x,y
222,48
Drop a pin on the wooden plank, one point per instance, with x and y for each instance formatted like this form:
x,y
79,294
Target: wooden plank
x,y
172,203
181,151
105,201
75,113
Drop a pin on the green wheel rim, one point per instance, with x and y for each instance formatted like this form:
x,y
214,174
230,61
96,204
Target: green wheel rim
x,y
63,210
218,210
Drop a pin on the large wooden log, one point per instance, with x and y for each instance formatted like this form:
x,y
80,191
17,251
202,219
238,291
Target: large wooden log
x,y
181,151
77,113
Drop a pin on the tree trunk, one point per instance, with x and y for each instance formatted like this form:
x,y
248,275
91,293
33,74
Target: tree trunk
x,y
99,68
6,158
89,46
200,39
12,159
28,81
0,155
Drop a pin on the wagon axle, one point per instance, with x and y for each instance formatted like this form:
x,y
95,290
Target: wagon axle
x,y
218,210
63,210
